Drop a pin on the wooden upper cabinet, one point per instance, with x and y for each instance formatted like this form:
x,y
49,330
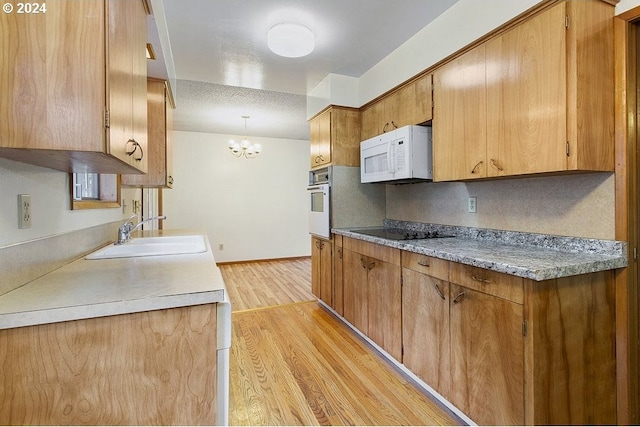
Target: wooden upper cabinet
x,y
459,118
159,151
321,139
411,104
527,97
335,137
64,103
548,98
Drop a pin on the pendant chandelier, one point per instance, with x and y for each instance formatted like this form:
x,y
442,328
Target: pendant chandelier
x,y
244,147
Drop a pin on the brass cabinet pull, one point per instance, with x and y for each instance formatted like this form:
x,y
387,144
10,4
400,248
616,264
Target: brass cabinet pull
x,y
496,165
475,168
481,280
395,126
458,297
439,291
384,129
424,264
170,180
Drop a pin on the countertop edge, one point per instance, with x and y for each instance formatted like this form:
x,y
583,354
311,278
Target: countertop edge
x,y
116,308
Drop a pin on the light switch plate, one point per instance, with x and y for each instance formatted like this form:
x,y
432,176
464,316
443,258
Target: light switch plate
x,y
24,210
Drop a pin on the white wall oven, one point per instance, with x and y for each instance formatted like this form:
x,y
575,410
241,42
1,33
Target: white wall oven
x,y
318,189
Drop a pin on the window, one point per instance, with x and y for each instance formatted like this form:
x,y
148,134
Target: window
x,y
95,191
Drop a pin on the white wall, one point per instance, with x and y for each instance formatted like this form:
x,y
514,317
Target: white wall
x,y
256,208
50,203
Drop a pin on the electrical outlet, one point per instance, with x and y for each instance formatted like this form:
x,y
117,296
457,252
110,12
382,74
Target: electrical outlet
x,y
24,210
472,205
221,247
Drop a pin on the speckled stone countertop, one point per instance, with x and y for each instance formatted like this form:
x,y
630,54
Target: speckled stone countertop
x,y
532,256
85,288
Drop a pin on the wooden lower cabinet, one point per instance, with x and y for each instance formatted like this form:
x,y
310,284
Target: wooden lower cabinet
x,y
321,270
506,350
373,292
425,324
487,360
338,282
149,368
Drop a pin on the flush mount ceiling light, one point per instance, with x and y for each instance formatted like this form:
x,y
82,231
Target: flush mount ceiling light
x,y
290,40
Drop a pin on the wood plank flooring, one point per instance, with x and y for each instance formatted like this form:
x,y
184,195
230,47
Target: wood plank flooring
x,y
295,363
268,283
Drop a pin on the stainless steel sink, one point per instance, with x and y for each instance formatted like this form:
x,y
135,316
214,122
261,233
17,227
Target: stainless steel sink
x,y
153,246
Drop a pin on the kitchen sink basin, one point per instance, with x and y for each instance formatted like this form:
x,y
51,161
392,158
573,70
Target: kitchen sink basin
x,y
152,246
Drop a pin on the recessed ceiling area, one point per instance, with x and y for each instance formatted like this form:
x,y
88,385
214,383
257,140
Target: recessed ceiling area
x,y
224,68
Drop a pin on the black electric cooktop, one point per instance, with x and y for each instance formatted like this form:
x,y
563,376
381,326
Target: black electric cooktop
x,y
401,234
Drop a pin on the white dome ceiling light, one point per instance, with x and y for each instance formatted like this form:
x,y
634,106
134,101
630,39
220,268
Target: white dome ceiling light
x,y
290,40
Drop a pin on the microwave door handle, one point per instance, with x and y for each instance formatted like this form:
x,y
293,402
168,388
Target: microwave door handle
x,y
390,161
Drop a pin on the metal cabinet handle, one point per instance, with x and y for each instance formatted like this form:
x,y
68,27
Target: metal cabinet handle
x,y
384,129
339,253
371,265
480,279
362,263
475,168
424,264
439,291
458,297
496,165
131,147
170,180
395,126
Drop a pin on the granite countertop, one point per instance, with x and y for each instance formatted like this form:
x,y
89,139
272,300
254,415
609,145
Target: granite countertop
x,y
95,288
532,256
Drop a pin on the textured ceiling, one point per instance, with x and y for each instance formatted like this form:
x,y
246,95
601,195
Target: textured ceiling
x,y
225,70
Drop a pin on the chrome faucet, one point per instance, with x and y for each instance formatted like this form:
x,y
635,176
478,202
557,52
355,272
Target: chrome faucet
x,y
125,230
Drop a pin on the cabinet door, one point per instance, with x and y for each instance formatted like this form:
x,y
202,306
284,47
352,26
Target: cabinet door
x,y
385,306
321,273
321,139
338,282
127,83
355,290
487,357
316,266
460,118
423,111
372,121
425,328
158,141
527,97
52,75
326,261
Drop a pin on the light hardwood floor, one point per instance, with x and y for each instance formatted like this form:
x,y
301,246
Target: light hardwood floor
x,y
295,363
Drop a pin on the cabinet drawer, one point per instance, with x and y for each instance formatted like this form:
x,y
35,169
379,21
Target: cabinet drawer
x,y
434,267
489,282
374,250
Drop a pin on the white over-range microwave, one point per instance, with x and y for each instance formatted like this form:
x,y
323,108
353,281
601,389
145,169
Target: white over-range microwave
x,y
400,155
